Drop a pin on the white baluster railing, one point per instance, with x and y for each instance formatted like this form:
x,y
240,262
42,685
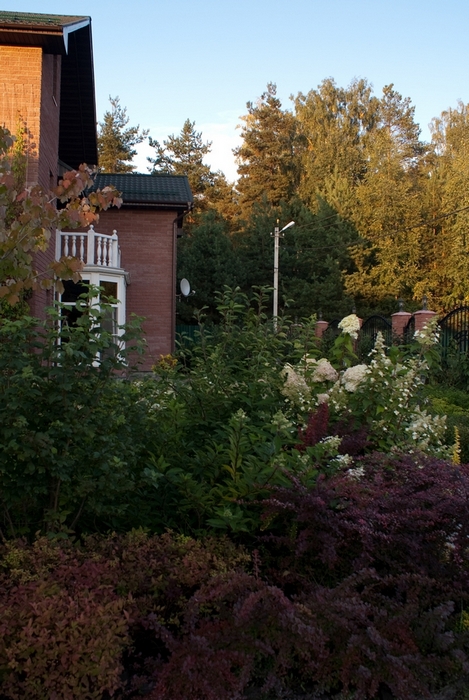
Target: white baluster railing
x,y
91,248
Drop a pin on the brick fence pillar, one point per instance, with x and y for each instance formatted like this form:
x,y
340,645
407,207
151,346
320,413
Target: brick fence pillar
x,y
321,327
399,321
422,317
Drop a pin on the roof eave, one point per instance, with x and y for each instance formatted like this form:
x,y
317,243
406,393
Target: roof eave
x,y
52,38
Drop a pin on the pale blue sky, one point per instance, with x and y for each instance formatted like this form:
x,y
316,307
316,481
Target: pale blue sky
x,y
204,59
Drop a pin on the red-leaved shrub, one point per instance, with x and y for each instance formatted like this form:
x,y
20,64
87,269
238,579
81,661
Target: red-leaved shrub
x,y
381,562
360,590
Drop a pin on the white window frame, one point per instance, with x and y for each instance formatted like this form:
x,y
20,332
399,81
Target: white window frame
x,y
95,277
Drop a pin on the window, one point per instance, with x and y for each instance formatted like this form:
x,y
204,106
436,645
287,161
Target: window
x,y
112,292
70,295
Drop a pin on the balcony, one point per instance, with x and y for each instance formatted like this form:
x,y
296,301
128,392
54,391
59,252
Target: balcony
x,y
92,248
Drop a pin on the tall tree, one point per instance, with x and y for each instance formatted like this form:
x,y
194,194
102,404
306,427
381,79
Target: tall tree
x,y
446,282
332,125
117,141
390,204
312,261
185,155
266,159
208,259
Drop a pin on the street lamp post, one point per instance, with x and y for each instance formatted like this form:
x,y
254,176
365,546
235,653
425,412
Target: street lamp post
x,y
276,236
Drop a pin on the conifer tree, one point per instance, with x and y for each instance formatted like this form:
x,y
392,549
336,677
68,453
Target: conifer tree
x,y
208,259
117,141
266,159
332,125
185,155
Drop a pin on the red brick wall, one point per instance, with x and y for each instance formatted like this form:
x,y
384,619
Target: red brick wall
x,y
20,96
147,242
30,91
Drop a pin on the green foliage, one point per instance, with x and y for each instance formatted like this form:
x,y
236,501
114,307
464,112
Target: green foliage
x,y
28,216
208,259
389,203
333,124
313,257
217,434
184,155
454,404
382,398
67,423
445,282
266,158
116,140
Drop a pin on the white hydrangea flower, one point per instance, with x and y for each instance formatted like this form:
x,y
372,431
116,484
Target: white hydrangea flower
x,y
353,376
324,372
343,460
425,430
295,386
308,360
281,422
351,325
332,441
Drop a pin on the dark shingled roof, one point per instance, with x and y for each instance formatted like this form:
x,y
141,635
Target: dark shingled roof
x,y
33,19
68,36
161,190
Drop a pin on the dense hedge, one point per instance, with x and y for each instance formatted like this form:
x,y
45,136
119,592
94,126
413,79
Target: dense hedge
x,y
359,586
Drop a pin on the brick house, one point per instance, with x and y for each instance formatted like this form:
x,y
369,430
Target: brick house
x,y
47,84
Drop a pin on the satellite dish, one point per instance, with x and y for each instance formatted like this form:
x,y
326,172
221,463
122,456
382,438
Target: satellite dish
x,y
185,287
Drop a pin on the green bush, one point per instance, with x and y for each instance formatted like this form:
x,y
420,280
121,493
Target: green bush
x,y
217,434
68,425
454,404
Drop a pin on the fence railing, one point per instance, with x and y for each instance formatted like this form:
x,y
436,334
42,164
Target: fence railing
x,y
454,329
91,247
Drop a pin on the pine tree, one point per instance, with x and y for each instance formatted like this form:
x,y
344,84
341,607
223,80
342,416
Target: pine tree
x,y
184,155
313,257
208,259
266,159
116,140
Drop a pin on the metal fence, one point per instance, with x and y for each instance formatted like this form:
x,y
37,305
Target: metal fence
x,y
186,333
454,331
369,331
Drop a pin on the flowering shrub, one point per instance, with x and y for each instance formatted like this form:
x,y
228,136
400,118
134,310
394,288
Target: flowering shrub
x,y
350,325
384,396
352,377
381,397
323,371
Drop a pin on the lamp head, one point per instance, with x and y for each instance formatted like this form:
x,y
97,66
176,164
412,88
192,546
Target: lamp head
x,y
292,223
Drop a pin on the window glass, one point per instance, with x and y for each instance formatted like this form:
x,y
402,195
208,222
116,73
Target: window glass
x,y
72,290
109,290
